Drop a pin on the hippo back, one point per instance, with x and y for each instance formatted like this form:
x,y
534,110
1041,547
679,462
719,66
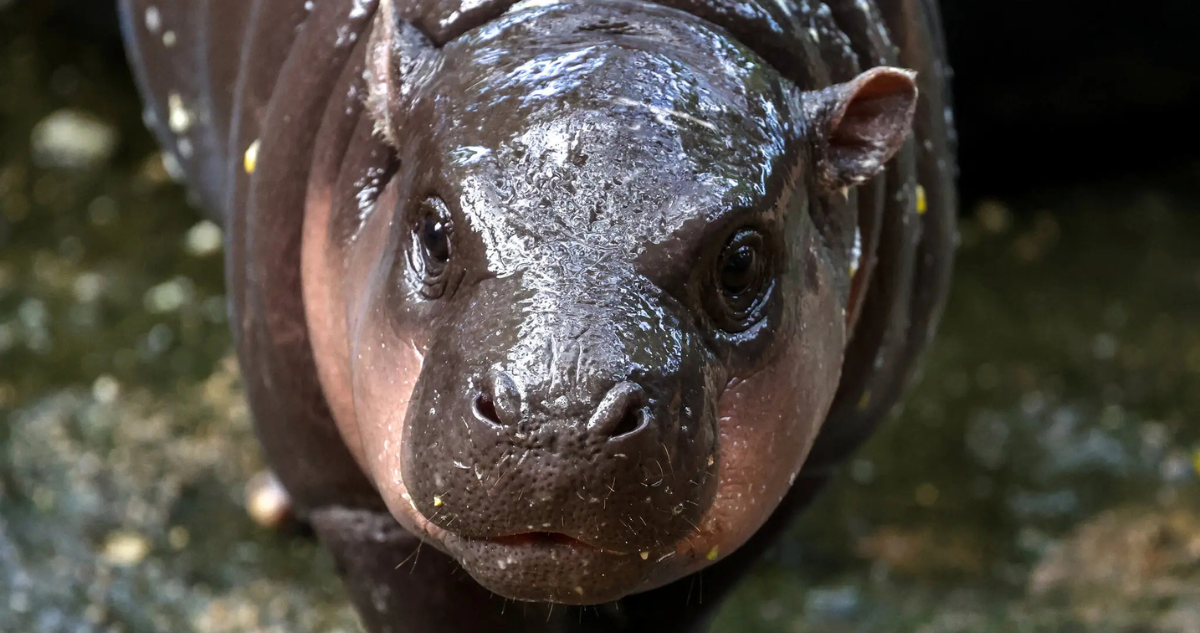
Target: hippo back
x,y
259,103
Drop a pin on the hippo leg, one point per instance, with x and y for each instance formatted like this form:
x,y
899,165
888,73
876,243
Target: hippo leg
x,y
400,586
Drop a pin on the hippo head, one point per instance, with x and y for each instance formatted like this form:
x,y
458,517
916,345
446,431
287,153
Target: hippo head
x,y
591,326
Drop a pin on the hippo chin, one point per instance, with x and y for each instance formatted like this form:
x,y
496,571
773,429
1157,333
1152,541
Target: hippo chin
x,y
589,296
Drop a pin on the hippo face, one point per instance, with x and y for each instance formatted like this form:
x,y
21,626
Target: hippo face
x,y
594,327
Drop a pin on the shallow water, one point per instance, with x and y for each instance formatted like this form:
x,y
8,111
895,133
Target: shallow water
x,y
1042,476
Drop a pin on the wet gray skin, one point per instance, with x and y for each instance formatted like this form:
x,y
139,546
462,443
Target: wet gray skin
x,y
564,290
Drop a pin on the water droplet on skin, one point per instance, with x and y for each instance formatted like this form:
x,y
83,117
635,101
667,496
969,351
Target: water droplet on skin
x,y
179,118
153,19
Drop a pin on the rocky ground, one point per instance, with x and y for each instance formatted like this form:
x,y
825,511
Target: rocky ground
x,y
1042,477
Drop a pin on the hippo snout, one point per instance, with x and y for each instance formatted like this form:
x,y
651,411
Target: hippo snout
x,y
580,421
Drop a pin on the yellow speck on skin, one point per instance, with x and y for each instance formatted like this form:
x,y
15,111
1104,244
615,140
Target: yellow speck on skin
x,y
644,555
922,201
250,160
579,590
710,460
437,501
864,401
712,554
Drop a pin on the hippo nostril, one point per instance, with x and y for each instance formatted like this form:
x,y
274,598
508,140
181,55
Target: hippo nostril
x,y
499,401
620,413
486,409
628,424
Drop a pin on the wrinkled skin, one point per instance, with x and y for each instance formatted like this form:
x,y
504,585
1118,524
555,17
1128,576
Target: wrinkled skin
x,y
575,285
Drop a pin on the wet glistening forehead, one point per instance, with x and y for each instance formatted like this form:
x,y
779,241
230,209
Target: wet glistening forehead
x,y
603,143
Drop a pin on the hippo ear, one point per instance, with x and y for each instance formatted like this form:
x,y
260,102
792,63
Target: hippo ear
x,y
862,124
399,58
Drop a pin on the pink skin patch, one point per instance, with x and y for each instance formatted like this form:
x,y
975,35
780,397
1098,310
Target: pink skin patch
x,y
768,422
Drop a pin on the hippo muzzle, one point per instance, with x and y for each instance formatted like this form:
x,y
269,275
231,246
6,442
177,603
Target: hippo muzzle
x,y
594,414
575,416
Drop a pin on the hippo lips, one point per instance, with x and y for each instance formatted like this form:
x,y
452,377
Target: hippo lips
x,y
543,539
551,567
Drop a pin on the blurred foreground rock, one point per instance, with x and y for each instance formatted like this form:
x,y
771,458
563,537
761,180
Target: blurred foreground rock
x,y
126,514
1128,557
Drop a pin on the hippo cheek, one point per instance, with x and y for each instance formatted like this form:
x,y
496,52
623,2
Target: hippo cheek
x,y
385,369
767,424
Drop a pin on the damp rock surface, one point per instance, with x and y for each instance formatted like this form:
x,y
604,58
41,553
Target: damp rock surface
x,y
1042,476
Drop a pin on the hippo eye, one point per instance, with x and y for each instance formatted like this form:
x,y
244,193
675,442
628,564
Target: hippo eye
x,y
435,241
432,233
742,281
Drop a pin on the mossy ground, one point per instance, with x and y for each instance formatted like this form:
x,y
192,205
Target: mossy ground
x,y
1041,477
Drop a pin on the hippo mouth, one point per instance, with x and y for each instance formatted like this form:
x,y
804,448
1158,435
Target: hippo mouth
x,y
543,539
551,567
535,540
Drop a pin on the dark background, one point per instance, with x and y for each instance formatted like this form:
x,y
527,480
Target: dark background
x,y
1043,477
1047,91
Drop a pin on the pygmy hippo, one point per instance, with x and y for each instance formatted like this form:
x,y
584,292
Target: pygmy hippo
x,y
587,296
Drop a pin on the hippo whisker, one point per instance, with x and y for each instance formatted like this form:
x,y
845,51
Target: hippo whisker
x,y
501,477
662,475
515,467
416,552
